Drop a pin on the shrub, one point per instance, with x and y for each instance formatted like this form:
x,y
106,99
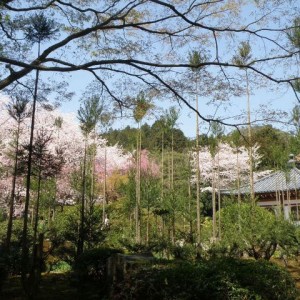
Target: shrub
x,y
214,279
256,231
61,267
90,271
186,252
91,265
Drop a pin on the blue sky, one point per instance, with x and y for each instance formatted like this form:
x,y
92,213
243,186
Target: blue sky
x,y
281,99
273,98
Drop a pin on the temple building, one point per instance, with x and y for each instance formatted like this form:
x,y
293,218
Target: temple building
x,y
278,191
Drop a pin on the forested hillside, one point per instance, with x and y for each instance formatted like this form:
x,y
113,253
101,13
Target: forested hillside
x,y
275,145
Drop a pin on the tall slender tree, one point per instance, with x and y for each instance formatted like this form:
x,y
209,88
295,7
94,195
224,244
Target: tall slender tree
x,y
45,165
242,59
88,114
106,121
142,106
171,119
39,29
217,131
58,123
18,110
195,59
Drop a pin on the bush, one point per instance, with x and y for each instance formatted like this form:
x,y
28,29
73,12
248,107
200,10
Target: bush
x,y
256,231
91,265
186,252
214,279
90,271
61,267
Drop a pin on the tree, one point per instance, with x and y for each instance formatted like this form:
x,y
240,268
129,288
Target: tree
x,y
106,121
271,157
135,30
44,165
242,58
171,120
255,230
142,106
296,118
39,29
89,116
217,132
18,110
196,60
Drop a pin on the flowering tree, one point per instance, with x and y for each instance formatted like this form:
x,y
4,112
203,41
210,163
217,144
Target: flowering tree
x,y
69,140
227,164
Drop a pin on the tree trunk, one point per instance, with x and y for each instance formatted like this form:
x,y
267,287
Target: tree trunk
x,y
252,196
80,245
104,189
13,191
35,272
138,188
214,201
25,246
198,173
36,212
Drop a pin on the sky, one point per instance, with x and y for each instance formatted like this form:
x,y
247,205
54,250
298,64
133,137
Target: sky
x,y
280,100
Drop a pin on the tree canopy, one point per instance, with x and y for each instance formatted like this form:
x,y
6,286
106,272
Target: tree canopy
x,y
144,45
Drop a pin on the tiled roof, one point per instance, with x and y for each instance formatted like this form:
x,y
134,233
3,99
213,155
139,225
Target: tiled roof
x,y
277,181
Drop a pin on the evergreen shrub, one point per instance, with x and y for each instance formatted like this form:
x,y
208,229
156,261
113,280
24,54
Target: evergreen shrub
x,y
225,278
91,265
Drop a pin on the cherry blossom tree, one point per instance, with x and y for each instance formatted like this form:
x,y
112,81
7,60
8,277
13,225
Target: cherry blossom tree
x,y
69,140
227,164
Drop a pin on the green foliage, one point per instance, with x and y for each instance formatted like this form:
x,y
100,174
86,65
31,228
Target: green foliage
x,y
213,279
185,252
244,54
39,28
91,265
65,227
61,267
13,260
3,215
16,233
151,137
89,114
150,191
294,33
274,144
255,230
18,108
142,106
196,59
206,201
